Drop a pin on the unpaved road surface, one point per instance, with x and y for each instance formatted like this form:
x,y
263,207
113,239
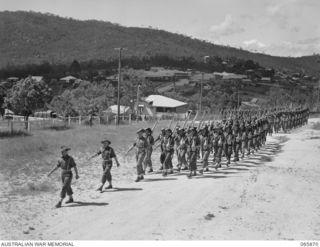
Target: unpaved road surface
x,y
272,195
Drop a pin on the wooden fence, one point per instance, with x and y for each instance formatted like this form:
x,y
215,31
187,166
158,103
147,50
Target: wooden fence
x,y
18,122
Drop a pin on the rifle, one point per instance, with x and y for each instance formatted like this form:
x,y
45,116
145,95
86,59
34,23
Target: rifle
x,y
192,123
184,124
170,123
155,124
204,113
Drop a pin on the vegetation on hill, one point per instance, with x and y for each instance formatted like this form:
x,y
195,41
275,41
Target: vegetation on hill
x,y
31,38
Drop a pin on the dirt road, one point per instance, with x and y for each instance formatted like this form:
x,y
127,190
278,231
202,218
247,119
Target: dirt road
x,y
273,195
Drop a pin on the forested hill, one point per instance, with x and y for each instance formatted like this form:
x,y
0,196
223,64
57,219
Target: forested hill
x,y
29,37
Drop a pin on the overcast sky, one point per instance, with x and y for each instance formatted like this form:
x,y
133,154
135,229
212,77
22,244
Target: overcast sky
x,y
277,27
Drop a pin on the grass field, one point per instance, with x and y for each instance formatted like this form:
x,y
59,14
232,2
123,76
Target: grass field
x,y
25,161
27,158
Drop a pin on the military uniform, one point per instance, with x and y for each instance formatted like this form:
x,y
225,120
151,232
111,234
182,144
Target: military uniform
x,y
107,154
206,147
141,148
66,163
149,149
168,145
194,145
182,150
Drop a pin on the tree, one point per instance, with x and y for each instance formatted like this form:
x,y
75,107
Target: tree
x,y
75,67
88,97
26,96
2,96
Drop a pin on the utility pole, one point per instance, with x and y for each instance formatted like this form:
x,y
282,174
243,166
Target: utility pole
x,y
119,81
318,96
205,59
201,88
238,96
138,95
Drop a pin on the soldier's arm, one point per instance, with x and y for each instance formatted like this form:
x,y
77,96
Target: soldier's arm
x,y
95,155
74,165
133,145
54,169
113,155
76,171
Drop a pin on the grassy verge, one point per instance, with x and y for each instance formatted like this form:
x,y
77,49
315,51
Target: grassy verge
x,y
316,126
14,133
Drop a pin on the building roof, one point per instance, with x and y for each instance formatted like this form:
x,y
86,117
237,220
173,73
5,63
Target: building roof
x,y
226,76
162,101
37,78
114,109
68,78
165,73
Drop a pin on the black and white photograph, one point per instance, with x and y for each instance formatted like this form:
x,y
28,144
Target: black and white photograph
x,y
159,120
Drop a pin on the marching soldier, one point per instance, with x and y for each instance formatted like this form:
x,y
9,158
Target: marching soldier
x,y
150,143
107,154
237,144
220,145
66,163
182,150
168,146
206,147
194,145
162,154
229,140
141,147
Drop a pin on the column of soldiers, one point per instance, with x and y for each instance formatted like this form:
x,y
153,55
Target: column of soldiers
x,y
238,134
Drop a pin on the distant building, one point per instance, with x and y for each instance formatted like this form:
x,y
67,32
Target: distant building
x,y
123,109
265,79
228,76
68,79
37,78
13,79
166,75
161,106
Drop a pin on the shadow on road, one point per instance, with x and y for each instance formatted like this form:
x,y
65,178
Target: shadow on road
x,y
157,179
82,204
121,189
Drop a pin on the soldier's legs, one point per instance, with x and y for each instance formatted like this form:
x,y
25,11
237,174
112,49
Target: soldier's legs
x,y
219,155
66,186
148,161
167,163
193,163
215,153
205,160
162,158
106,176
140,158
236,153
229,153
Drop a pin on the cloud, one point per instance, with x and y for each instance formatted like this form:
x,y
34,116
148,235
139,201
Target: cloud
x,y
253,44
282,12
285,48
227,27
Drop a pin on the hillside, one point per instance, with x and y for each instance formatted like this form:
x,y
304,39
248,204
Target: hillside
x,y
29,37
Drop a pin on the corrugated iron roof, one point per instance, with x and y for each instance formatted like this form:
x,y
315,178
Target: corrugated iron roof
x,y
162,101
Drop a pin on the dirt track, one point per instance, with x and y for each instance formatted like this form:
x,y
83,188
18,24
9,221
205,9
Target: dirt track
x,y
271,195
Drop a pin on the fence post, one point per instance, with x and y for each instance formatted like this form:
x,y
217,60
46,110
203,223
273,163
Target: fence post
x,y
11,127
129,118
80,120
107,119
69,120
29,126
99,119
